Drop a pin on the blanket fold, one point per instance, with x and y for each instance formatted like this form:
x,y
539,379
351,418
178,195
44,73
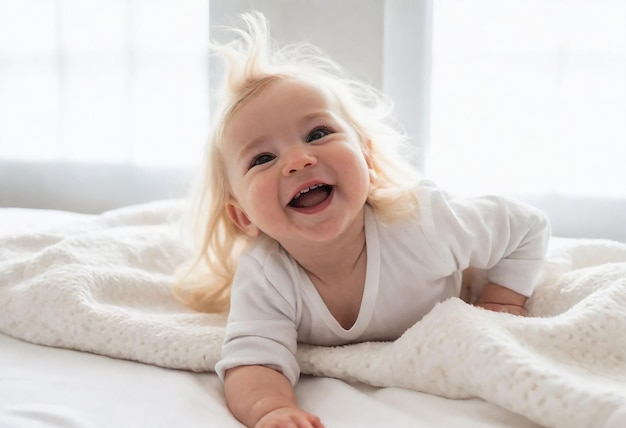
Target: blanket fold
x,y
102,285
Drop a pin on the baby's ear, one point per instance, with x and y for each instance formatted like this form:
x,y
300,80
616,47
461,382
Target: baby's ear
x,y
239,217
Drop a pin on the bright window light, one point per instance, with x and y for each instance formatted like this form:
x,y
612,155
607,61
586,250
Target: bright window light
x,y
529,97
123,81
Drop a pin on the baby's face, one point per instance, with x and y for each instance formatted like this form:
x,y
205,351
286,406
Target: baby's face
x,y
297,170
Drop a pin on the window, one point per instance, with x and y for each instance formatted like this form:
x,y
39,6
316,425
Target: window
x,y
121,81
529,97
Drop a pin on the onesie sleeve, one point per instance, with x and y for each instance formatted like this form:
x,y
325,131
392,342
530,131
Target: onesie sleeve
x,y
261,327
508,239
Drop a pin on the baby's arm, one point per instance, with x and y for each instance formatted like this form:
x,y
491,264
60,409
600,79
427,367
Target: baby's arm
x,y
501,299
262,397
506,239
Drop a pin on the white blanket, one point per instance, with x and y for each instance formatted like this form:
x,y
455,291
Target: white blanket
x,y
102,285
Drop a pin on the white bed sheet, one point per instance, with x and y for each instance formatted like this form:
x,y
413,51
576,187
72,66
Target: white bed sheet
x,y
52,387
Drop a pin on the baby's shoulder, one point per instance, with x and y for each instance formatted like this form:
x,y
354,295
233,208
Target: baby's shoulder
x,y
270,263
267,253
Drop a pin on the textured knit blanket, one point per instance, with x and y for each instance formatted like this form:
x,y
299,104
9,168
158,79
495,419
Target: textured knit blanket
x,y
102,285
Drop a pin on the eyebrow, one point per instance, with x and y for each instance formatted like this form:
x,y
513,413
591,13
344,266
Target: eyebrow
x,y
315,115
243,153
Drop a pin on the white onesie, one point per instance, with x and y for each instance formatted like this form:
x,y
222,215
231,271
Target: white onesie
x,y
410,267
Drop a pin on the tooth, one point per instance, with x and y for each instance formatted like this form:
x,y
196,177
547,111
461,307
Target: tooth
x,y
308,189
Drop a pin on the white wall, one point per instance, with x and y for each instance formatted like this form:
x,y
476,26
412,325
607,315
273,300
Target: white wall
x,y
349,31
88,188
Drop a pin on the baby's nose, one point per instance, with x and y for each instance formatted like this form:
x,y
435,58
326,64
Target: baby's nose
x,y
297,159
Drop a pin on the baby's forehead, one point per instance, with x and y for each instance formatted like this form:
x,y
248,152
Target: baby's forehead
x,y
298,87
288,94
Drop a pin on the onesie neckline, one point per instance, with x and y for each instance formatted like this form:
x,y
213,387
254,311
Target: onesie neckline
x,y
370,288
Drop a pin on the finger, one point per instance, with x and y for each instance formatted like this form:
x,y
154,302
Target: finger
x,y
315,421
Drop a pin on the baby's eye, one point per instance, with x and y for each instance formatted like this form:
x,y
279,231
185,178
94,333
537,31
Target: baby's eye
x,y
261,159
317,133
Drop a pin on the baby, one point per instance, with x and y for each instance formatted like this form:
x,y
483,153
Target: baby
x,y
316,229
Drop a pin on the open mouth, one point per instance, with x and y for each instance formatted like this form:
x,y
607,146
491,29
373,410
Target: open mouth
x,y
311,196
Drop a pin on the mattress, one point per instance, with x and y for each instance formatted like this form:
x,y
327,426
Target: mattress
x,y
56,370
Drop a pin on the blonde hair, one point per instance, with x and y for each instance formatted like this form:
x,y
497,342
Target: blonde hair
x,y
252,62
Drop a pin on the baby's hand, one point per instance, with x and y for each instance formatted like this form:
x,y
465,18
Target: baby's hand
x,y
289,417
510,309
500,299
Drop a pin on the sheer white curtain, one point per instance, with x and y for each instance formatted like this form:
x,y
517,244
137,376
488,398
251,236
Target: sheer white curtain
x,y
529,97
113,81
